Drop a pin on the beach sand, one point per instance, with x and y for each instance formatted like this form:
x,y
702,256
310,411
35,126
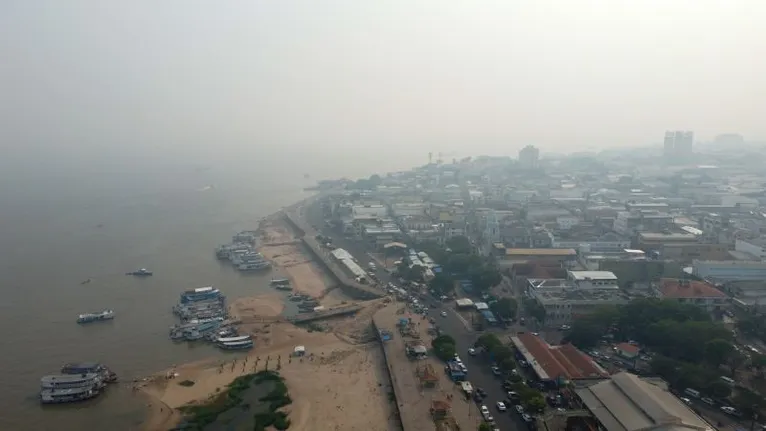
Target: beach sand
x,y
267,305
286,253
344,386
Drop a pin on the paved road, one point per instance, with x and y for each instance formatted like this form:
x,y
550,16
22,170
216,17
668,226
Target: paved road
x,y
479,373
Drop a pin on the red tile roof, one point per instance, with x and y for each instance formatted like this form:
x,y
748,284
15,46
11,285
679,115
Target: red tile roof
x,y
675,288
628,348
559,361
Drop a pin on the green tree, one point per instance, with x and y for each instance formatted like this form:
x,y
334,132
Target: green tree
x,y
504,308
485,278
444,347
534,309
459,244
488,342
484,427
585,333
534,404
442,284
717,351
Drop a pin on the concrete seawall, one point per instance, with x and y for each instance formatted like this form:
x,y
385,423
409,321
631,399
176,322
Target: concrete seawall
x,y
349,286
391,379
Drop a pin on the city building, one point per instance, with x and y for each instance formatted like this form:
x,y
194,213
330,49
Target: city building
x,y
755,247
556,365
626,402
678,144
529,157
699,293
729,270
581,293
593,279
564,256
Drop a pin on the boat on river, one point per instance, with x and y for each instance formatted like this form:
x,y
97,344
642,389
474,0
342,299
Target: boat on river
x,y
70,395
143,272
95,317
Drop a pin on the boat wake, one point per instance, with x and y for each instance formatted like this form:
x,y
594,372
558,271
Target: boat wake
x,y
206,188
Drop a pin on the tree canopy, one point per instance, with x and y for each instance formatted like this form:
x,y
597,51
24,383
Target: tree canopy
x,y
504,308
444,347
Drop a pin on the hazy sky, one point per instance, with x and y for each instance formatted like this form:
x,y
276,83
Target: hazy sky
x,y
447,75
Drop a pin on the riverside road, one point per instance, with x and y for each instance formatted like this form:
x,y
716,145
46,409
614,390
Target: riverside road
x,y
479,372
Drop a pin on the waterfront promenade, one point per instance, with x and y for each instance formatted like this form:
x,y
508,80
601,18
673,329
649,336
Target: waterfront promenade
x,y
308,234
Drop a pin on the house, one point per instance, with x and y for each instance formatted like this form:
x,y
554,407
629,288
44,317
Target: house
x,y
693,292
627,351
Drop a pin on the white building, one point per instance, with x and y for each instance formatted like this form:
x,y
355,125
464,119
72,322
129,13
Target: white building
x,y
756,247
564,300
408,209
593,279
729,270
567,222
369,211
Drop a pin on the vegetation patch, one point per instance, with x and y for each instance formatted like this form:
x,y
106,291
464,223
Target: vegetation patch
x,y
186,383
244,403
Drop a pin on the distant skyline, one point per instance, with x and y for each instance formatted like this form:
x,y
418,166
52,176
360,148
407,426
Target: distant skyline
x,y
192,77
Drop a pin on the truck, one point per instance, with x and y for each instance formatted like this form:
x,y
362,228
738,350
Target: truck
x,y
467,388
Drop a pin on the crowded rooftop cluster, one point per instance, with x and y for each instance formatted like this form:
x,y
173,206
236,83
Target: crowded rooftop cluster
x,y
577,246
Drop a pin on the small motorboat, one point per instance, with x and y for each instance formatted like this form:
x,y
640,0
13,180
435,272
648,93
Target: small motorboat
x,y
143,272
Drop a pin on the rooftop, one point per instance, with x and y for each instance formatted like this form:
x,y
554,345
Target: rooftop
x,y
677,288
628,403
592,275
540,252
553,362
628,348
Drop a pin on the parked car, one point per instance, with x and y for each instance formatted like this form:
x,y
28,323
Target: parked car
x,y
519,409
526,418
513,397
472,351
501,406
496,371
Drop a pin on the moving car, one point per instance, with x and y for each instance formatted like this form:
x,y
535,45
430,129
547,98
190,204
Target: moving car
x,y
496,371
501,406
472,351
443,314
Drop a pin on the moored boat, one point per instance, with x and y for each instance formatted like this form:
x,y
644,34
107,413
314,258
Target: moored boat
x,y
95,317
143,272
233,339
200,294
80,368
68,381
70,395
236,345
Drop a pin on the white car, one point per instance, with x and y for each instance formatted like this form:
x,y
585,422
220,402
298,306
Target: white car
x,y
472,351
501,406
443,314
484,410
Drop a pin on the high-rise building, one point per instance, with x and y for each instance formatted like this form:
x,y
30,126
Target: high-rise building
x,y
529,157
678,143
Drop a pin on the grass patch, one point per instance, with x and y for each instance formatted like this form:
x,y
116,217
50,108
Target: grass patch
x,y
200,416
186,383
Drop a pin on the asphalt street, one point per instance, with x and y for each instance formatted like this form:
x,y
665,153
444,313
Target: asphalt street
x,y
479,372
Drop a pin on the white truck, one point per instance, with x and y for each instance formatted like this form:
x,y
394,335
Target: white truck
x,y
467,388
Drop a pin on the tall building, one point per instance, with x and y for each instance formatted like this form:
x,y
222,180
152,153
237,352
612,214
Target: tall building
x,y
678,143
529,157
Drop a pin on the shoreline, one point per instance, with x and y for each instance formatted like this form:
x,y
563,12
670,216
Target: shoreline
x,y
340,355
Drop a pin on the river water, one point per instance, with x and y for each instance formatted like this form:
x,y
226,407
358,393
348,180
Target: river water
x,y
61,228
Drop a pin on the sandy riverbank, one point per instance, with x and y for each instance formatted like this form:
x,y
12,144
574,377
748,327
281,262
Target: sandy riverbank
x,y
286,253
343,385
